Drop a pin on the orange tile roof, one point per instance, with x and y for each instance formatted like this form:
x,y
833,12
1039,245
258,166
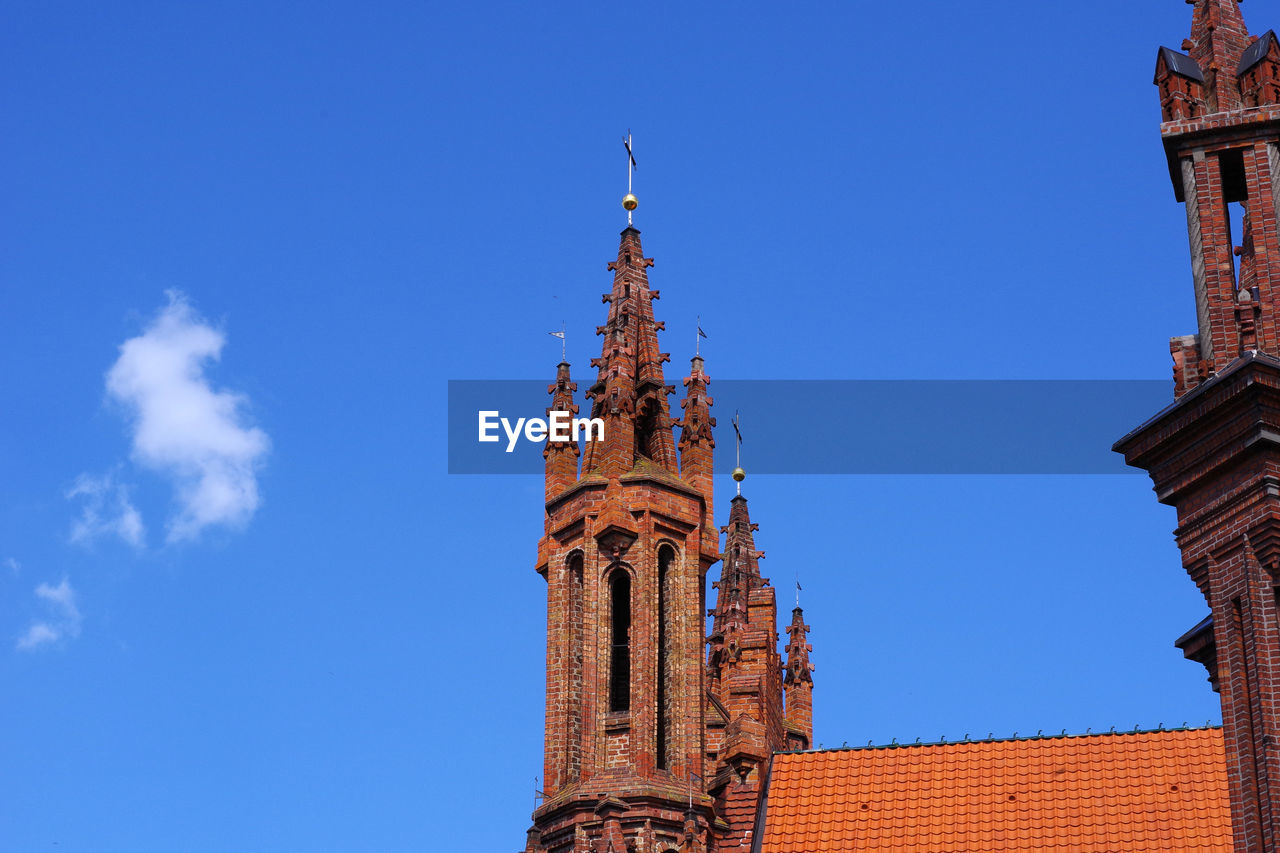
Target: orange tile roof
x,y
1146,792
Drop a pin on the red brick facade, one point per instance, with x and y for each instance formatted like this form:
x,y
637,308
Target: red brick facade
x,y
651,743
1215,454
659,738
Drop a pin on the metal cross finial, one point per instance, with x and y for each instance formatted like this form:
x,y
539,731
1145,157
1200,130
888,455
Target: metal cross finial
x,y
631,166
737,449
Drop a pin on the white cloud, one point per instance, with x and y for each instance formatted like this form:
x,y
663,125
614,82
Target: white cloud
x,y
62,619
13,566
106,510
183,427
37,635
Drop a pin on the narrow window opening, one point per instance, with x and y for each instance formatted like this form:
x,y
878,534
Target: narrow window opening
x,y
1235,192
573,723
1231,170
620,647
1235,225
666,711
644,439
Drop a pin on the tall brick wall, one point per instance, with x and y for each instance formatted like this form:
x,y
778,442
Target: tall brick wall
x,y
1215,455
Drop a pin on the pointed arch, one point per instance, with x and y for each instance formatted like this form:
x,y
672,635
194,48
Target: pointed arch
x,y
619,585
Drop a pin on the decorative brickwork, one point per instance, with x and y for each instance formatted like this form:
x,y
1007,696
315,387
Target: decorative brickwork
x,y
745,675
1218,41
632,761
1215,454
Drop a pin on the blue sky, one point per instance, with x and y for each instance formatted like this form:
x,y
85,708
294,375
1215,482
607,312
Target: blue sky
x,y
243,605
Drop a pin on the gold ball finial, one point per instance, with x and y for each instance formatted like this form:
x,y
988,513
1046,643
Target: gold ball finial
x,y
739,475
630,202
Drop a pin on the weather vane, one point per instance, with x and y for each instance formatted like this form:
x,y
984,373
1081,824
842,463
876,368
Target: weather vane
x,y
738,474
697,348
629,201
561,336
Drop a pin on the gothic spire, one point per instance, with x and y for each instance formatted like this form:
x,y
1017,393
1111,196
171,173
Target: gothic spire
x,y
630,394
561,456
739,575
740,572
696,440
1219,38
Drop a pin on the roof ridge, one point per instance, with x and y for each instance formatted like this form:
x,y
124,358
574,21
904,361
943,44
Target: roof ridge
x,y
1063,735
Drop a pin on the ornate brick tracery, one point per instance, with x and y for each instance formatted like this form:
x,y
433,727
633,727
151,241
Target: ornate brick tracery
x,y
651,744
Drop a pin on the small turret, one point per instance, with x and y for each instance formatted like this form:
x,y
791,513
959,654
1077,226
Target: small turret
x,y
1259,72
697,444
1181,83
798,683
561,456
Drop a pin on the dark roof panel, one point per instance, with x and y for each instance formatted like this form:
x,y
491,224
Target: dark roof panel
x,y
1205,624
1180,63
1256,51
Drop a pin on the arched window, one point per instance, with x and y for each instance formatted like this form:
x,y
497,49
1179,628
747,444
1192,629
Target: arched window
x,y
666,703
620,641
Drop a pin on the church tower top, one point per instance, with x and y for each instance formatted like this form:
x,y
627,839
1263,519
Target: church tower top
x,y
1218,40
648,745
1221,108
630,393
626,547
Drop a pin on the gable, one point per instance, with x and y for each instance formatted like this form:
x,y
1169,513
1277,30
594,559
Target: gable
x,y
1179,63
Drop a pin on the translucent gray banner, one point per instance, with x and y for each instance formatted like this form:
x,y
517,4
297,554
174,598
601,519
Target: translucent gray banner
x,y
853,426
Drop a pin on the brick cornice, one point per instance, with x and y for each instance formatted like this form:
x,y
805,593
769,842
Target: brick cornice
x,y
1215,123
1232,415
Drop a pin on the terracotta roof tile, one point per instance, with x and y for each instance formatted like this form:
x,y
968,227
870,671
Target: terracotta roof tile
x,y
1146,792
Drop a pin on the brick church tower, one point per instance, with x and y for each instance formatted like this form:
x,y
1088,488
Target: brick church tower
x,y
1215,453
650,745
